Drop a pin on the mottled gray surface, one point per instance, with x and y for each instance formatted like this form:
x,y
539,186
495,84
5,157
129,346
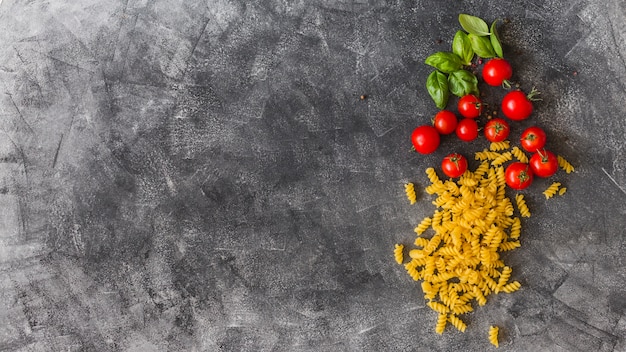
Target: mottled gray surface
x,y
204,177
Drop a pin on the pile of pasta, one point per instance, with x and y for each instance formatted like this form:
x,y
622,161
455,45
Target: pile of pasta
x,y
458,248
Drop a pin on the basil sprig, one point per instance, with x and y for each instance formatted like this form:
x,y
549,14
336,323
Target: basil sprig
x,y
450,74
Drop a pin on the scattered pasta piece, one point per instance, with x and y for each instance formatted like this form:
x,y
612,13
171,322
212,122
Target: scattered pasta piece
x,y
521,206
519,155
498,146
551,190
564,164
502,158
409,189
398,254
562,191
441,323
493,335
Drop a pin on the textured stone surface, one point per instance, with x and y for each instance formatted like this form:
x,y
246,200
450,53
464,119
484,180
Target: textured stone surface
x,y
202,175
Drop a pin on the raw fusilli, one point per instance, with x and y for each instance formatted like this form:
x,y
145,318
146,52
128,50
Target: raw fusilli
x,y
551,190
498,146
521,206
519,155
398,254
493,335
409,189
564,164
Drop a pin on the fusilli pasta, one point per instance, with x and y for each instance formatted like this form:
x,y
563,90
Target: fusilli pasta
x,y
551,190
409,189
493,335
564,164
398,253
521,206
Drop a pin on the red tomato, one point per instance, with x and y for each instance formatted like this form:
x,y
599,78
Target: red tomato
x,y
532,139
470,106
497,71
454,165
467,130
425,139
518,106
445,122
518,175
544,163
497,130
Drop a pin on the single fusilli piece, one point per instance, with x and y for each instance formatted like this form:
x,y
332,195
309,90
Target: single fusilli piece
x,y
564,164
457,323
409,189
551,190
521,206
493,335
441,323
432,175
486,154
511,287
502,158
423,225
562,191
398,253
498,146
519,155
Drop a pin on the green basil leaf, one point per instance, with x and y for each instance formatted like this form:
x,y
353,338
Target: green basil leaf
x,y
437,86
462,82
462,47
473,25
444,61
495,40
482,46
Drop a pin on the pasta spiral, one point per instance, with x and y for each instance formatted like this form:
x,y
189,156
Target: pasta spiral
x,y
521,206
441,323
519,155
457,323
398,254
493,335
423,225
551,190
564,164
409,189
502,158
498,146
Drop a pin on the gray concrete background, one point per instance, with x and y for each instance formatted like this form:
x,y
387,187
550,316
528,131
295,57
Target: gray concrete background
x,y
202,176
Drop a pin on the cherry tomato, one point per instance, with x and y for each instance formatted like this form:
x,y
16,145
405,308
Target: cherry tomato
x,y
518,106
497,72
518,175
467,130
445,122
544,163
425,139
470,106
532,139
454,165
497,130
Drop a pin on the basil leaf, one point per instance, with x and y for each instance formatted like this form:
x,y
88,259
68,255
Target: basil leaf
x,y
495,40
462,47
473,25
437,86
444,61
482,46
462,82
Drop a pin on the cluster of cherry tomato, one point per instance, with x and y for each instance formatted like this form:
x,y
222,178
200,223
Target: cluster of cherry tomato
x,y
516,106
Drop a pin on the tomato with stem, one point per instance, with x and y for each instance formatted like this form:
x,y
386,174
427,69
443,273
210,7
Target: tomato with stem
x,y
518,175
497,130
518,106
497,72
544,163
454,165
533,138
470,106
